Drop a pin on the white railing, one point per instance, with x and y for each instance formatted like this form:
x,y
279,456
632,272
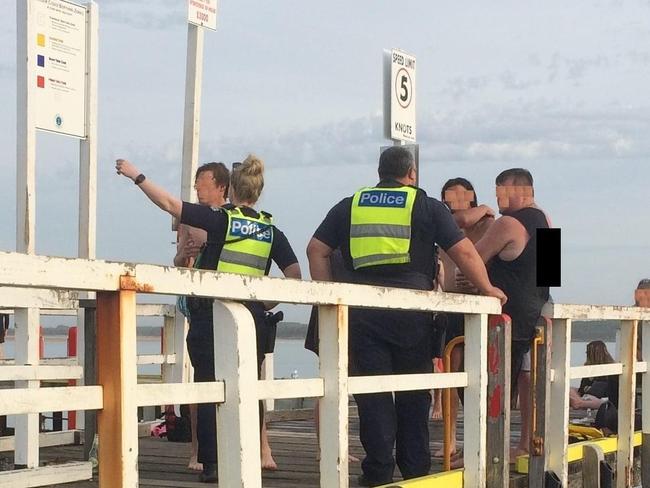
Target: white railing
x,y
627,367
119,395
238,390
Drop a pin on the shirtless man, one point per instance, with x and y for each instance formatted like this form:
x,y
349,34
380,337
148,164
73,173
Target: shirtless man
x,y
211,185
509,250
474,220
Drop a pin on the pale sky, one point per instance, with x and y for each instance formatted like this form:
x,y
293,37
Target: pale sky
x,y
560,88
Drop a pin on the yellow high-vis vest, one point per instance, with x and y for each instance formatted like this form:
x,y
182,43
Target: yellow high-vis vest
x,y
247,248
380,226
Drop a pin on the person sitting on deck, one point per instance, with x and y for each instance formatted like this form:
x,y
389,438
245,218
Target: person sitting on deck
x,y
593,391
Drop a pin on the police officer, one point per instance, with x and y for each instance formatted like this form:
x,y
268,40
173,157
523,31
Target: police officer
x,y
387,235
240,240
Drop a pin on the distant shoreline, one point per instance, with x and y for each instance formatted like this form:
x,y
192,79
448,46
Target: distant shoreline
x,y
582,331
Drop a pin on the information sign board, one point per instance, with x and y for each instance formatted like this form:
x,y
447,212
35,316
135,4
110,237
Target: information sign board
x,y
203,13
402,96
58,53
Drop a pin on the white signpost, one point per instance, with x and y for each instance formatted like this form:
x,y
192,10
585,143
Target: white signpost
x,y
56,60
203,13
399,95
58,52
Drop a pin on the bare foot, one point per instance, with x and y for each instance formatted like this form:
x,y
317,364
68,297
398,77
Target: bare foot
x,y
437,412
457,463
268,463
440,453
194,465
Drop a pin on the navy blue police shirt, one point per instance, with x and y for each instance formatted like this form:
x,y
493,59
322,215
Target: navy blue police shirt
x,y
215,222
431,224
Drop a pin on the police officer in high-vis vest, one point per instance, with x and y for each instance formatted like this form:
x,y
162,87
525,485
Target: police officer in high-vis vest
x,y
240,240
387,235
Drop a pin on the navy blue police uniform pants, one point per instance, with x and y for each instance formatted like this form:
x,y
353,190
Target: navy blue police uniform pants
x,y
200,346
392,342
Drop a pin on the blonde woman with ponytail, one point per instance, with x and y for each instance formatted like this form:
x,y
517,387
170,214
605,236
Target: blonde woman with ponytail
x,y
241,240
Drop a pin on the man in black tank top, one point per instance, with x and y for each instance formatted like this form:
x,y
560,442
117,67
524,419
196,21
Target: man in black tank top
x,y
509,250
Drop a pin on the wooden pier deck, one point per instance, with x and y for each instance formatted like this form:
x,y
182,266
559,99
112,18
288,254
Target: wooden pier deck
x,y
294,444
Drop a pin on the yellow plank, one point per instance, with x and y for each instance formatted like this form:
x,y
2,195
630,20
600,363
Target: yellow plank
x,y
607,444
448,479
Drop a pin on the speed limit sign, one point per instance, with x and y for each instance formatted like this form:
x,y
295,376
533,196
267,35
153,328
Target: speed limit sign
x,y
402,96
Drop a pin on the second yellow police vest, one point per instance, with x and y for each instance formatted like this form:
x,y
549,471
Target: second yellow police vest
x,y
380,226
247,248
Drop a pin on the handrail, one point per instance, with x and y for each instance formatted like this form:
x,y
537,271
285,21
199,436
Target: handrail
x,y
237,389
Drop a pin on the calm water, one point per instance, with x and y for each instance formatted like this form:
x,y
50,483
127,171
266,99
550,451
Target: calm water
x,y
290,355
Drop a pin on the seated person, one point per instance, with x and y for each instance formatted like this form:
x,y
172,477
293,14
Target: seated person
x,y
592,391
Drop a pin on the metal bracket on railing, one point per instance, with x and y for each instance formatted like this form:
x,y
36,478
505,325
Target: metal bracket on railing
x,y
446,402
537,441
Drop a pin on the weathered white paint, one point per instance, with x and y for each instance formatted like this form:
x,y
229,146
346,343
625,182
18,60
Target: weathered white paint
x,y
594,312
55,399
164,359
333,417
26,333
268,374
369,384
558,428
47,475
44,362
238,433
192,113
11,297
64,303
168,348
177,393
77,274
276,389
33,373
26,133
579,372
46,439
27,353
182,371
475,442
626,397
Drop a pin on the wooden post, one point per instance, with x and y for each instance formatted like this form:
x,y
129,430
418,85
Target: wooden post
x,y
498,401
475,400
333,420
644,327
117,374
558,429
27,353
87,235
540,400
592,456
89,308
27,320
626,393
169,347
238,433
268,374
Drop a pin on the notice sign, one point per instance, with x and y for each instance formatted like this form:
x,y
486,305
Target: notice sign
x,y
402,96
203,13
58,53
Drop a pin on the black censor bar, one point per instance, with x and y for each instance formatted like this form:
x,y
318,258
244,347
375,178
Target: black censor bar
x,y
549,257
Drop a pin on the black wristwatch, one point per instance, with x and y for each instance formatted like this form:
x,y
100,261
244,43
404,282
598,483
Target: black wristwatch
x,y
139,179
